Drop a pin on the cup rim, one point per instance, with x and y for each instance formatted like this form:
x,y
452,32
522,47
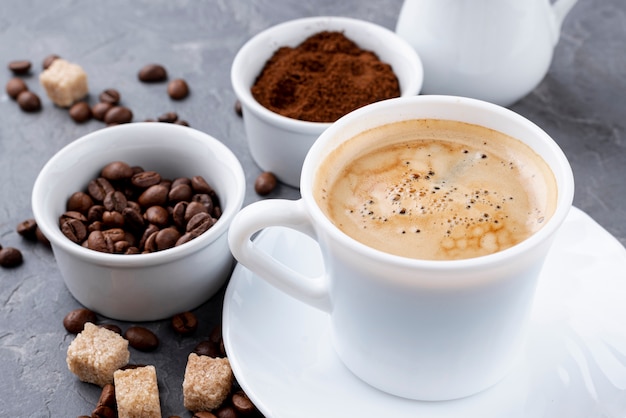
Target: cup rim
x,y
563,170
242,90
57,239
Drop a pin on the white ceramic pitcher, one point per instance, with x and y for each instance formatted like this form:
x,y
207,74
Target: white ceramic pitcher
x,y
494,50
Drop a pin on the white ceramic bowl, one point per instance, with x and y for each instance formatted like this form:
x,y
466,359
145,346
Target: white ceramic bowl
x,y
278,143
151,286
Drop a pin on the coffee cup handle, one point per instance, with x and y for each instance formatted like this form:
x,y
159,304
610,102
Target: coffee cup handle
x,y
277,212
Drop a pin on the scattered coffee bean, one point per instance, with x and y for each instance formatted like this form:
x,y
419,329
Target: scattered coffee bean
x,y
112,327
238,109
178,89
110,96
100,109
20,66
141,338
48,61
242,403
15,86
107,396
75,321
29,101
226,411
181,122
103,411
28,229
169,117
117,115
265,183
10,257
184,323
80,112
207,348
152,73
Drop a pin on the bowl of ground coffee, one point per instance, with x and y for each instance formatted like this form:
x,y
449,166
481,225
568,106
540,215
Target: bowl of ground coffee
x,y
295,79
109,227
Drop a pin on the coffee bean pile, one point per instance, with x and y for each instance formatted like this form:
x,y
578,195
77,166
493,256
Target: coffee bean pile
x,y
143,339
128,210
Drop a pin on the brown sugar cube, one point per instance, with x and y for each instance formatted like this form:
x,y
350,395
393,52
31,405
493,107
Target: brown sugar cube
x,y
96,353
137,393
207,382
64,82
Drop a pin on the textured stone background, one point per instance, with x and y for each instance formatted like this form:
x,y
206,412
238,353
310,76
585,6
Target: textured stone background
x,y
581,103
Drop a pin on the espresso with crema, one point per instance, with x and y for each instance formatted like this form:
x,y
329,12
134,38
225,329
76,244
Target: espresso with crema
x,y
436,189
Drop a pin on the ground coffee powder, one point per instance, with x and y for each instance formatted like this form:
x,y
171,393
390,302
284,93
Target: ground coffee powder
x,y
323,78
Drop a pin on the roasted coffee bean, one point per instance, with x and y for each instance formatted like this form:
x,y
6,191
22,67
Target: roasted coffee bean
x,y
145,179
180,192
96,241
80,112
28,229
181,180
74,230
200,185
206,348
166,238
118,115
94,214
242,403
203,414
112,327
28,101
265,183
110,96
141,338
181,122
133,218
99,110
20,66
115,201
152,73
75,320
10,257
107,396
115,234
178,214
238,109
186,237
205,200
48,61
151,229
15,86
178,89
157,215
169,117
199,223
153,195
103,411
112,219
226,411
79,202
185,323
117,170
72,215
99,188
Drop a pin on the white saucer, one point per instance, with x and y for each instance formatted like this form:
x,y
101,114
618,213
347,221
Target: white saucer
x,y
574,363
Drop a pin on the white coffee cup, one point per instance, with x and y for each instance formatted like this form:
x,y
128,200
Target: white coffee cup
x,y
420,329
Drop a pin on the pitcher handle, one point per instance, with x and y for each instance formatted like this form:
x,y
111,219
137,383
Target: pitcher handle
x,y
277,212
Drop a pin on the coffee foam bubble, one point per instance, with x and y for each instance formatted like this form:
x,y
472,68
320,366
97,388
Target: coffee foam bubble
x,y
436,190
